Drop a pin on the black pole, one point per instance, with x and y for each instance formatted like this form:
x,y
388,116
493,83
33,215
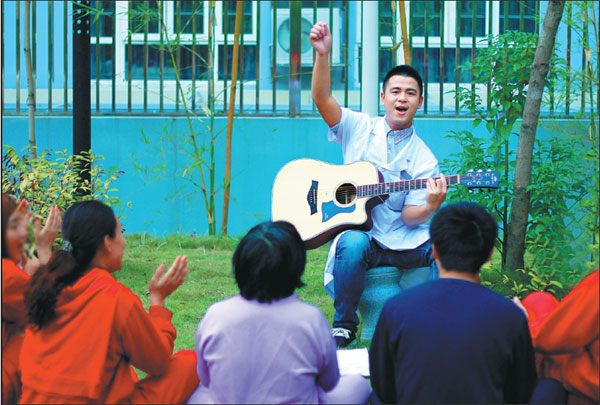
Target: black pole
x,y
81,89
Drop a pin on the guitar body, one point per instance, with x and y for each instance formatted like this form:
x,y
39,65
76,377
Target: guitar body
x,y
321,199
316,197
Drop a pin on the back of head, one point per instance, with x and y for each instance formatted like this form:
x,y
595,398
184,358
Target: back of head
x,y
8,207
403,70
84,228
463,235
268,263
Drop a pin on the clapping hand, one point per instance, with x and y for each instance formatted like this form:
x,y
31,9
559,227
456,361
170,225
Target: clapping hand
x,y
162,287
45,237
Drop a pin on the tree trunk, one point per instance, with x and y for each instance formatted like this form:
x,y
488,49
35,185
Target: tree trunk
x,y
517,227
234,70
30,81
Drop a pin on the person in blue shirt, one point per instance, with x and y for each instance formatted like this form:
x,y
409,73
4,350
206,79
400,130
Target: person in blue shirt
x,y
452,340
399,236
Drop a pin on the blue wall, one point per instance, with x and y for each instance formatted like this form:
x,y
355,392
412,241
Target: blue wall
x,y
261,146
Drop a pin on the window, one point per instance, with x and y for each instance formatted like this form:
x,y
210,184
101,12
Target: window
x,y
386,19
417,17
185,63
466,18
105,62
105,24
229,17
137,63
105,20
514,16
433,64
458,24
312,4
191,12
145,14
200,65
249,62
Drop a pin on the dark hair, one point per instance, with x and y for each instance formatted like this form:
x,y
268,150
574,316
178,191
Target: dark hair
x,y
404,70
8,207
268,263
463,235
84,227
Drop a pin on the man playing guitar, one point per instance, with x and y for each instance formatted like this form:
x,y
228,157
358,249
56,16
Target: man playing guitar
x,y
399,236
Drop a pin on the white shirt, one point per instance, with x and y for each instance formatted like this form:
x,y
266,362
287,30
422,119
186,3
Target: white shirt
x,y
399,155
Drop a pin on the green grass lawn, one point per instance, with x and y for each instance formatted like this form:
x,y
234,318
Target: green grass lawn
x,y
210,277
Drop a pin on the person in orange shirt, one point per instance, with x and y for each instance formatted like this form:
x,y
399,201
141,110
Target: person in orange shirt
x,y
87,330
566,338
15,280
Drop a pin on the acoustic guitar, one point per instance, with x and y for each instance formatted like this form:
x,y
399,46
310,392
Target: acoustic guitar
x,y
322,199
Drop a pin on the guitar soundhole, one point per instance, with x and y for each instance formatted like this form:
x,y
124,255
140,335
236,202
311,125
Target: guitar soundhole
x,y
345,194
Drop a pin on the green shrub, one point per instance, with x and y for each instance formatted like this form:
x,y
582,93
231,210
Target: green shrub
x,y
53,179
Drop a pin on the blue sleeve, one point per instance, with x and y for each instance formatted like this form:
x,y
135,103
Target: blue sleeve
x,y
522,376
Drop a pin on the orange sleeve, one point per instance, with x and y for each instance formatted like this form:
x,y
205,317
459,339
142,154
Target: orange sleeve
x,y
14,283
147,339
574,323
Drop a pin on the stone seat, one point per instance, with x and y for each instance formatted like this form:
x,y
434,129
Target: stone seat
x,y
382,283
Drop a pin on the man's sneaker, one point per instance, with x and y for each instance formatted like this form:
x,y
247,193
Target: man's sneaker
x,y
343,337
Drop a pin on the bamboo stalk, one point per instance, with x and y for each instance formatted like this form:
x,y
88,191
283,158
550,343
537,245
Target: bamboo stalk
x,y
234,71
405,43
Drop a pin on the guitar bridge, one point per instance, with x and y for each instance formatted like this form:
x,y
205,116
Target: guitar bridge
x,y
312,197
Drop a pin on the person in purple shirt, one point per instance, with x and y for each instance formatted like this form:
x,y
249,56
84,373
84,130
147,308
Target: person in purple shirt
x,y
266,345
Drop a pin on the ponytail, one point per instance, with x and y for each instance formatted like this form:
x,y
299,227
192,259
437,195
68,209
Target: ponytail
x,y
47,284
85,225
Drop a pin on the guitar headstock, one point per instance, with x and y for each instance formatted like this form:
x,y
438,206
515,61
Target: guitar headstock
x,y
480,179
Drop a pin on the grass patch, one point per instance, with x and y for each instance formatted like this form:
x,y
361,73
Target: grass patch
x,y
210,277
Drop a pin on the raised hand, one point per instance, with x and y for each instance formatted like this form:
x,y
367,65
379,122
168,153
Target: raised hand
x,y
45,237
320,38
22,213
17,226
162,287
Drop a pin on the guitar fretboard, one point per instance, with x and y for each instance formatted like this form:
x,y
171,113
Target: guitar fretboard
x,y
369,190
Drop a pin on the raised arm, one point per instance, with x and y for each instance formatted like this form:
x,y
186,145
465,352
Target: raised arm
x,y
320,39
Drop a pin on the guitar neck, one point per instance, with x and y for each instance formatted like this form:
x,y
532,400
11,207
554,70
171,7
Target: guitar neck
x,y
371,190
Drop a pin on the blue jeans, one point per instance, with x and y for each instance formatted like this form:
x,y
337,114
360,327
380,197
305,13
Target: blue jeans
x,y
355,254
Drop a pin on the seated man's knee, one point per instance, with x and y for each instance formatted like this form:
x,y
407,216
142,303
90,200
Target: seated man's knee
x,y
352,243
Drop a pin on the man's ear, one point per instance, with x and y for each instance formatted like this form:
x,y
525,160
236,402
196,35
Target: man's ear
x,y
421,101
435,253
382,95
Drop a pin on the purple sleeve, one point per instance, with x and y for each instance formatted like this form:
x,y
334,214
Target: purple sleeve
x,y
201,342
329,374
